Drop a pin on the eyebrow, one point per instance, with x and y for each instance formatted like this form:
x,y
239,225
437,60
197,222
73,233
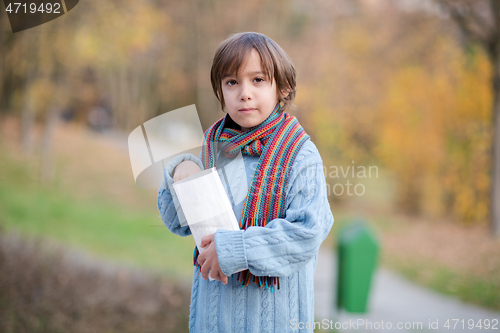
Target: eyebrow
x,y
251,73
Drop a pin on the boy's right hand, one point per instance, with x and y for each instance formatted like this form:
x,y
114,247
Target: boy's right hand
x,y
209,260
185,169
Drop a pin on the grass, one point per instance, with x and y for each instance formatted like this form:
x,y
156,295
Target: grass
x,y
104,229
483,291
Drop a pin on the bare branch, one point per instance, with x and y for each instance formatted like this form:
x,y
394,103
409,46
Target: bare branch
x,y
476,20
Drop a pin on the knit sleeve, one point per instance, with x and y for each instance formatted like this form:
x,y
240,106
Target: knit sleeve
x,y
287,244
168,204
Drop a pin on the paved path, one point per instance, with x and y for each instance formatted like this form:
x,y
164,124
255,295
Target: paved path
x,y
396,300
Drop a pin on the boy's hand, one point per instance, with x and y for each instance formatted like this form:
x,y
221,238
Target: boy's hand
x,y
185,169
209,261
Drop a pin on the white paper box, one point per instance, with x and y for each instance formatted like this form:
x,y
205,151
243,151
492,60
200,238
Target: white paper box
x,y
205,204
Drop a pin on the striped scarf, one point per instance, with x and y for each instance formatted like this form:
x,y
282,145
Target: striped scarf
x,y
277,141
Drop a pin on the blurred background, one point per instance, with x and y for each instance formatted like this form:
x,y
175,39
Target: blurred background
x,y
398,96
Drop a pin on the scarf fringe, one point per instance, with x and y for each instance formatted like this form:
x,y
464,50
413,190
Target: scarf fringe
x,y
264,282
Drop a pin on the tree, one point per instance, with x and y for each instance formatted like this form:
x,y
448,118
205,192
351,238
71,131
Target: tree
x,y
479,22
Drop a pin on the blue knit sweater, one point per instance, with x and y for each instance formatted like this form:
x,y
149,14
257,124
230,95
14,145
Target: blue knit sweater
x,y
286,248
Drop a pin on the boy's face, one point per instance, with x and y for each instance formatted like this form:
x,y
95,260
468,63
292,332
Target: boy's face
x,y
249,96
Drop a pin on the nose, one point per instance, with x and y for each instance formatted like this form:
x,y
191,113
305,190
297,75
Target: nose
x,y
245,91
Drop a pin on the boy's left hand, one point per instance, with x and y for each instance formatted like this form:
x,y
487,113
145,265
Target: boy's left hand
x,y
209,261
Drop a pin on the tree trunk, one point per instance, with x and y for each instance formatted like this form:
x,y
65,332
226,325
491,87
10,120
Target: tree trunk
x,y
27,117
495,152
208,108
27,114
46,158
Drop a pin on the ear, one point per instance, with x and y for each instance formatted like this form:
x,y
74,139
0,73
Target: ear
x,y
284,93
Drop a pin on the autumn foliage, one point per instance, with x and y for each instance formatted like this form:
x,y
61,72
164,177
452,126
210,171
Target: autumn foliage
x,y
378,83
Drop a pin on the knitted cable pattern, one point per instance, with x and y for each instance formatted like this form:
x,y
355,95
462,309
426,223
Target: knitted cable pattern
x,y
194,298
266,312
239,310
293,301
277,140
213,307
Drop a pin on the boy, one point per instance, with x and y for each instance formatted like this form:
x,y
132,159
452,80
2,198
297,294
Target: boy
x,y
285,215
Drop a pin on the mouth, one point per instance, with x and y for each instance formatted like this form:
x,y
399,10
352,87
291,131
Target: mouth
x,y
247,109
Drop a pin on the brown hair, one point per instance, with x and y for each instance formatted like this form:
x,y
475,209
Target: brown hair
x,y
276,64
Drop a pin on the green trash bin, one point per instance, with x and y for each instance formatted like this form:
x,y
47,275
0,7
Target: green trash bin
x,y
358,250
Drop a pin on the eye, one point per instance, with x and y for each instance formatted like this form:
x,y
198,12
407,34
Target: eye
x,y
259,79
231,82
